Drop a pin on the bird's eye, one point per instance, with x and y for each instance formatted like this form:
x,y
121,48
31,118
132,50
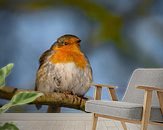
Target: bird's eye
x,y
65,43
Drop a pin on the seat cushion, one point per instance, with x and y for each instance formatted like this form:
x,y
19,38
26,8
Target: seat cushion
x,y
125,110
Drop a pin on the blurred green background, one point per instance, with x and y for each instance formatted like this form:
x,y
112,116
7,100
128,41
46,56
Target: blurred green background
x,y
118,36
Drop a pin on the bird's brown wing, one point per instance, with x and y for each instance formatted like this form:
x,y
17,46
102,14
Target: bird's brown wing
x,y
90,68
44,57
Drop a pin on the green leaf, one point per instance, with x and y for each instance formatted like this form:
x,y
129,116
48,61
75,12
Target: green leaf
x,y
9,126
5,107
24,98
4,72
20,98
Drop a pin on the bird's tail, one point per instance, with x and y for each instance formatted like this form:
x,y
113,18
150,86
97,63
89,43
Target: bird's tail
x,y
53,109
38,106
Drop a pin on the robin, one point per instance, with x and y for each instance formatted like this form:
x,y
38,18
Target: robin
x,y
64,68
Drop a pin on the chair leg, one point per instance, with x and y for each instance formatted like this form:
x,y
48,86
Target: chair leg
x,y
94,123
144,126
124,125
146,110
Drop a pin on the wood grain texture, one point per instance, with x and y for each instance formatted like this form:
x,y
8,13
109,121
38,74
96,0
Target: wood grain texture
x,y
97,95
160,98
113,94
103,85
150,88
53,98
146,109
124,125
94,122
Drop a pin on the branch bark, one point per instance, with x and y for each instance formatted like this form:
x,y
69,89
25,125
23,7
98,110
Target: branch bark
x,y
54,98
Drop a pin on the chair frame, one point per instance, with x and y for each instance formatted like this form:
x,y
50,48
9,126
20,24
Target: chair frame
x,y
146,106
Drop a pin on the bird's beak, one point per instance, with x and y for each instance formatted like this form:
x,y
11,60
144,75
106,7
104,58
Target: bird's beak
x,y
79,41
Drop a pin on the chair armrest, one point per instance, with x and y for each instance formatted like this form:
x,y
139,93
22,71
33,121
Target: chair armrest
x,y
111,89
150,88
104,85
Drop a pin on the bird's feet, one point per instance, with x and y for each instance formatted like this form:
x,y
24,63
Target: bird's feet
x,y
86,98
68,92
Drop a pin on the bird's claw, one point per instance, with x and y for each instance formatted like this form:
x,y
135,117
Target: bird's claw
x,y
67,92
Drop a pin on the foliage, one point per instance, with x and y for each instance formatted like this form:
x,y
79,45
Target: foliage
x,y
4,72
8,126
110,24
20,98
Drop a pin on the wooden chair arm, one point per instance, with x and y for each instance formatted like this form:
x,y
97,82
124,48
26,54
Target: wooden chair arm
x,y
148,99
104,85
150,88
111,89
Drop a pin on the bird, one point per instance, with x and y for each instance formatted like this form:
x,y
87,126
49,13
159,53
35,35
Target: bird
x,y
64,68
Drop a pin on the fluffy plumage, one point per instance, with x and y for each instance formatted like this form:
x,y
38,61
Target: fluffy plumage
x,y
64,68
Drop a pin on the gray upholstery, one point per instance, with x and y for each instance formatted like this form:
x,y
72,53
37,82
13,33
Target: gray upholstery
x,y
132,102
125,110
147,77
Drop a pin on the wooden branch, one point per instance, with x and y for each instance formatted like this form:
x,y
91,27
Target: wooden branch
x,y
57,99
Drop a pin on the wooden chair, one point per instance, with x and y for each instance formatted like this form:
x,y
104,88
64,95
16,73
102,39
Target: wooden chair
x,y
141,104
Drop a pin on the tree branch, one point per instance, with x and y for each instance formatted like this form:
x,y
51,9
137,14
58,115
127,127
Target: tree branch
x,y
54,98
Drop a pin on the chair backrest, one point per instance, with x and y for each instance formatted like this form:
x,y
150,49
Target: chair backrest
x,y
147,77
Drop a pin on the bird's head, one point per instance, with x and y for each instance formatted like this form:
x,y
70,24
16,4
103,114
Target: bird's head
x,y
67,49
67,42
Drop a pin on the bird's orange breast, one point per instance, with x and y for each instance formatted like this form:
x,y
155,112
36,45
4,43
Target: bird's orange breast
x,y
69,54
